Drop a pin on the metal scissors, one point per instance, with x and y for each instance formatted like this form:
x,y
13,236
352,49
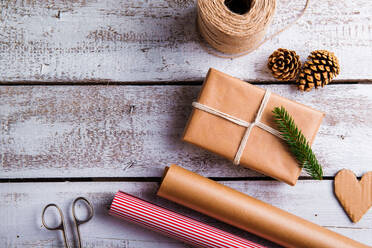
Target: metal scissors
x,y
77,221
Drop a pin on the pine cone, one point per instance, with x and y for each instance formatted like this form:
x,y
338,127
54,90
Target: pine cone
x,y
320,68
284,64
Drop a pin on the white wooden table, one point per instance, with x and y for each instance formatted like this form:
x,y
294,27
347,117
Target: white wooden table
x,y
94,96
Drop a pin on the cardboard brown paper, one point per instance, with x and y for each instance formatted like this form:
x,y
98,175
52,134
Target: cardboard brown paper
x,y
263,152
355,196
235,208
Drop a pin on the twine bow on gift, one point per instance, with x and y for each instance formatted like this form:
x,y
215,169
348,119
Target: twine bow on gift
x,y
249,125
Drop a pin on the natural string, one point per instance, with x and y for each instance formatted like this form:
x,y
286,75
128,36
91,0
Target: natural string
x,y
236,35
249,125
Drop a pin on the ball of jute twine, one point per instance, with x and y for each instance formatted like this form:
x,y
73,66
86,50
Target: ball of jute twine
x,y
233,34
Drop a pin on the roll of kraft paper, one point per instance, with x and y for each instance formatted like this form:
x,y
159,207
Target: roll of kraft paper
x,y
173,224
245,212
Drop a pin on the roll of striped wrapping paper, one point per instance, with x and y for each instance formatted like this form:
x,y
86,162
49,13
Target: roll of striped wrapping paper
x,y
174,225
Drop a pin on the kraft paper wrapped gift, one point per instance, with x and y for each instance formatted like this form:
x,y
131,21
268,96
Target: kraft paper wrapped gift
x,y
263,151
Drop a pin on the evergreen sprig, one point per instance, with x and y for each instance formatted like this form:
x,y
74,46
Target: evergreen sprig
x,y
297,143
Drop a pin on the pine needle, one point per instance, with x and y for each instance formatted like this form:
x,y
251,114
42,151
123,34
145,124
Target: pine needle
x,y
297,143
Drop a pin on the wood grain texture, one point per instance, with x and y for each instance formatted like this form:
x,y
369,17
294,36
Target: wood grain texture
x,y
131,41
21,206
134,131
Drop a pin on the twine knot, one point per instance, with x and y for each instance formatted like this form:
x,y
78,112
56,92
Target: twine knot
x,y
249,125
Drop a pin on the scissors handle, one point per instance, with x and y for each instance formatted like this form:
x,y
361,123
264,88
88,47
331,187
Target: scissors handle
x,y
61,225
78,221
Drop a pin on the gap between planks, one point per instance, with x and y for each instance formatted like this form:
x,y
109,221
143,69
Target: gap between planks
x,y
158,83
136,179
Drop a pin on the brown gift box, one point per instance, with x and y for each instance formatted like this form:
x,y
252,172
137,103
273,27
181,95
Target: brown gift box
x,y
263,152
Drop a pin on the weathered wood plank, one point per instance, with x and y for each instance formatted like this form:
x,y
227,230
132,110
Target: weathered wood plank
x,y
131,131
21,206
134,40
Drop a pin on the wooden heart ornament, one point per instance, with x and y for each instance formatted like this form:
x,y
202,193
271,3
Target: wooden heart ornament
x,y
355,196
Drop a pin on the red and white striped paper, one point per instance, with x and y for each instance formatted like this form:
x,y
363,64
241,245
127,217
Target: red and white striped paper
x,y
173,224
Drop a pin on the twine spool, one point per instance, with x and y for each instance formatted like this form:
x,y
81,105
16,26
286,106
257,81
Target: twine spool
x,y
236,34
